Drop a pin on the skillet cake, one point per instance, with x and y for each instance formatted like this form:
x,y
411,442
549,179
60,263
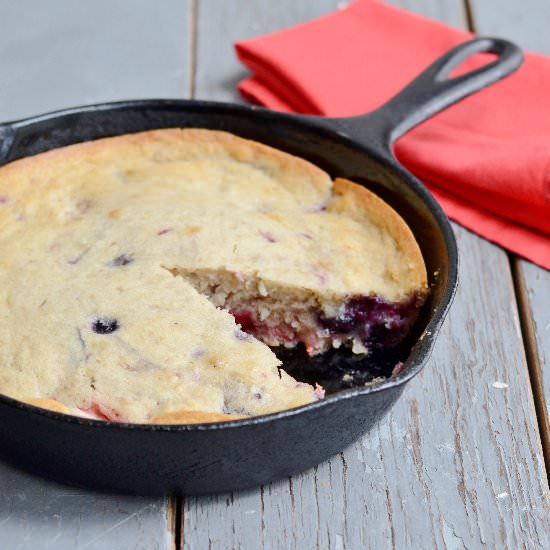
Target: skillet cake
x,y
144,277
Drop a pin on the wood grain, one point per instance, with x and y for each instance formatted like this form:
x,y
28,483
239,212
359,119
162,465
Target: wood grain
x,y
458,461
57,54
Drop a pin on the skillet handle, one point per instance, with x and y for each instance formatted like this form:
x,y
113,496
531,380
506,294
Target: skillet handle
x,y
432,91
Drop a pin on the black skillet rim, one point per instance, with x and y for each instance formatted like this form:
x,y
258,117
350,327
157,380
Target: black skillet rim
x,y
421,349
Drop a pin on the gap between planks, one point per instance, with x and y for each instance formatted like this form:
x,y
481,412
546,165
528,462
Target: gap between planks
x,y
192,33
174,520
469,16
176,503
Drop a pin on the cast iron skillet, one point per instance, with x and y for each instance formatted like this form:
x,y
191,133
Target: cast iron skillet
x,y
198,459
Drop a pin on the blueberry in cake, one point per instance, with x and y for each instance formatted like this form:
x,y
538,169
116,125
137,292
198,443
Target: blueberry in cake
x,y
144,277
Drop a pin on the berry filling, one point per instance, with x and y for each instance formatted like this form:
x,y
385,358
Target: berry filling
x,y
366,323
102,412
105,325
122,260
373,321
283,334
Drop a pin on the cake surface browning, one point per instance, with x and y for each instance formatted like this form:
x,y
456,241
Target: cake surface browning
x,y
106,247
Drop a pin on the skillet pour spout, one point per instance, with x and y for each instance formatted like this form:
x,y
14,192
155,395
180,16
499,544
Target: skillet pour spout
x,y
218,457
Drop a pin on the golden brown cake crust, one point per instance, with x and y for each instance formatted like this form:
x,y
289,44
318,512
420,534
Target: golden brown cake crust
x,y
176,417
361,204
45,403
315,183
193,417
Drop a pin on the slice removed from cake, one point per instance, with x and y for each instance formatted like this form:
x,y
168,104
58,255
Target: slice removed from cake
x,y
282,315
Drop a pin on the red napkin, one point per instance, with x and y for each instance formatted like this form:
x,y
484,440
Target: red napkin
x,y
486,159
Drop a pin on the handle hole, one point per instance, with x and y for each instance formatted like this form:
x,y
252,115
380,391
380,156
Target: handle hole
x,y
471,64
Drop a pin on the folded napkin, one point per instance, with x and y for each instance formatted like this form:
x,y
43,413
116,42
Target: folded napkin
x,y
486,159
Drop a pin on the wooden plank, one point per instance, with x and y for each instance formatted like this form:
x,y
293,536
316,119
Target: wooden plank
x,y
458,461
61,53
220,24
537,284
36,513
533,289
526,22
53,55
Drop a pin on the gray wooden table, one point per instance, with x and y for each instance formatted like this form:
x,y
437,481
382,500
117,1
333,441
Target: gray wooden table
x,y
460,460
